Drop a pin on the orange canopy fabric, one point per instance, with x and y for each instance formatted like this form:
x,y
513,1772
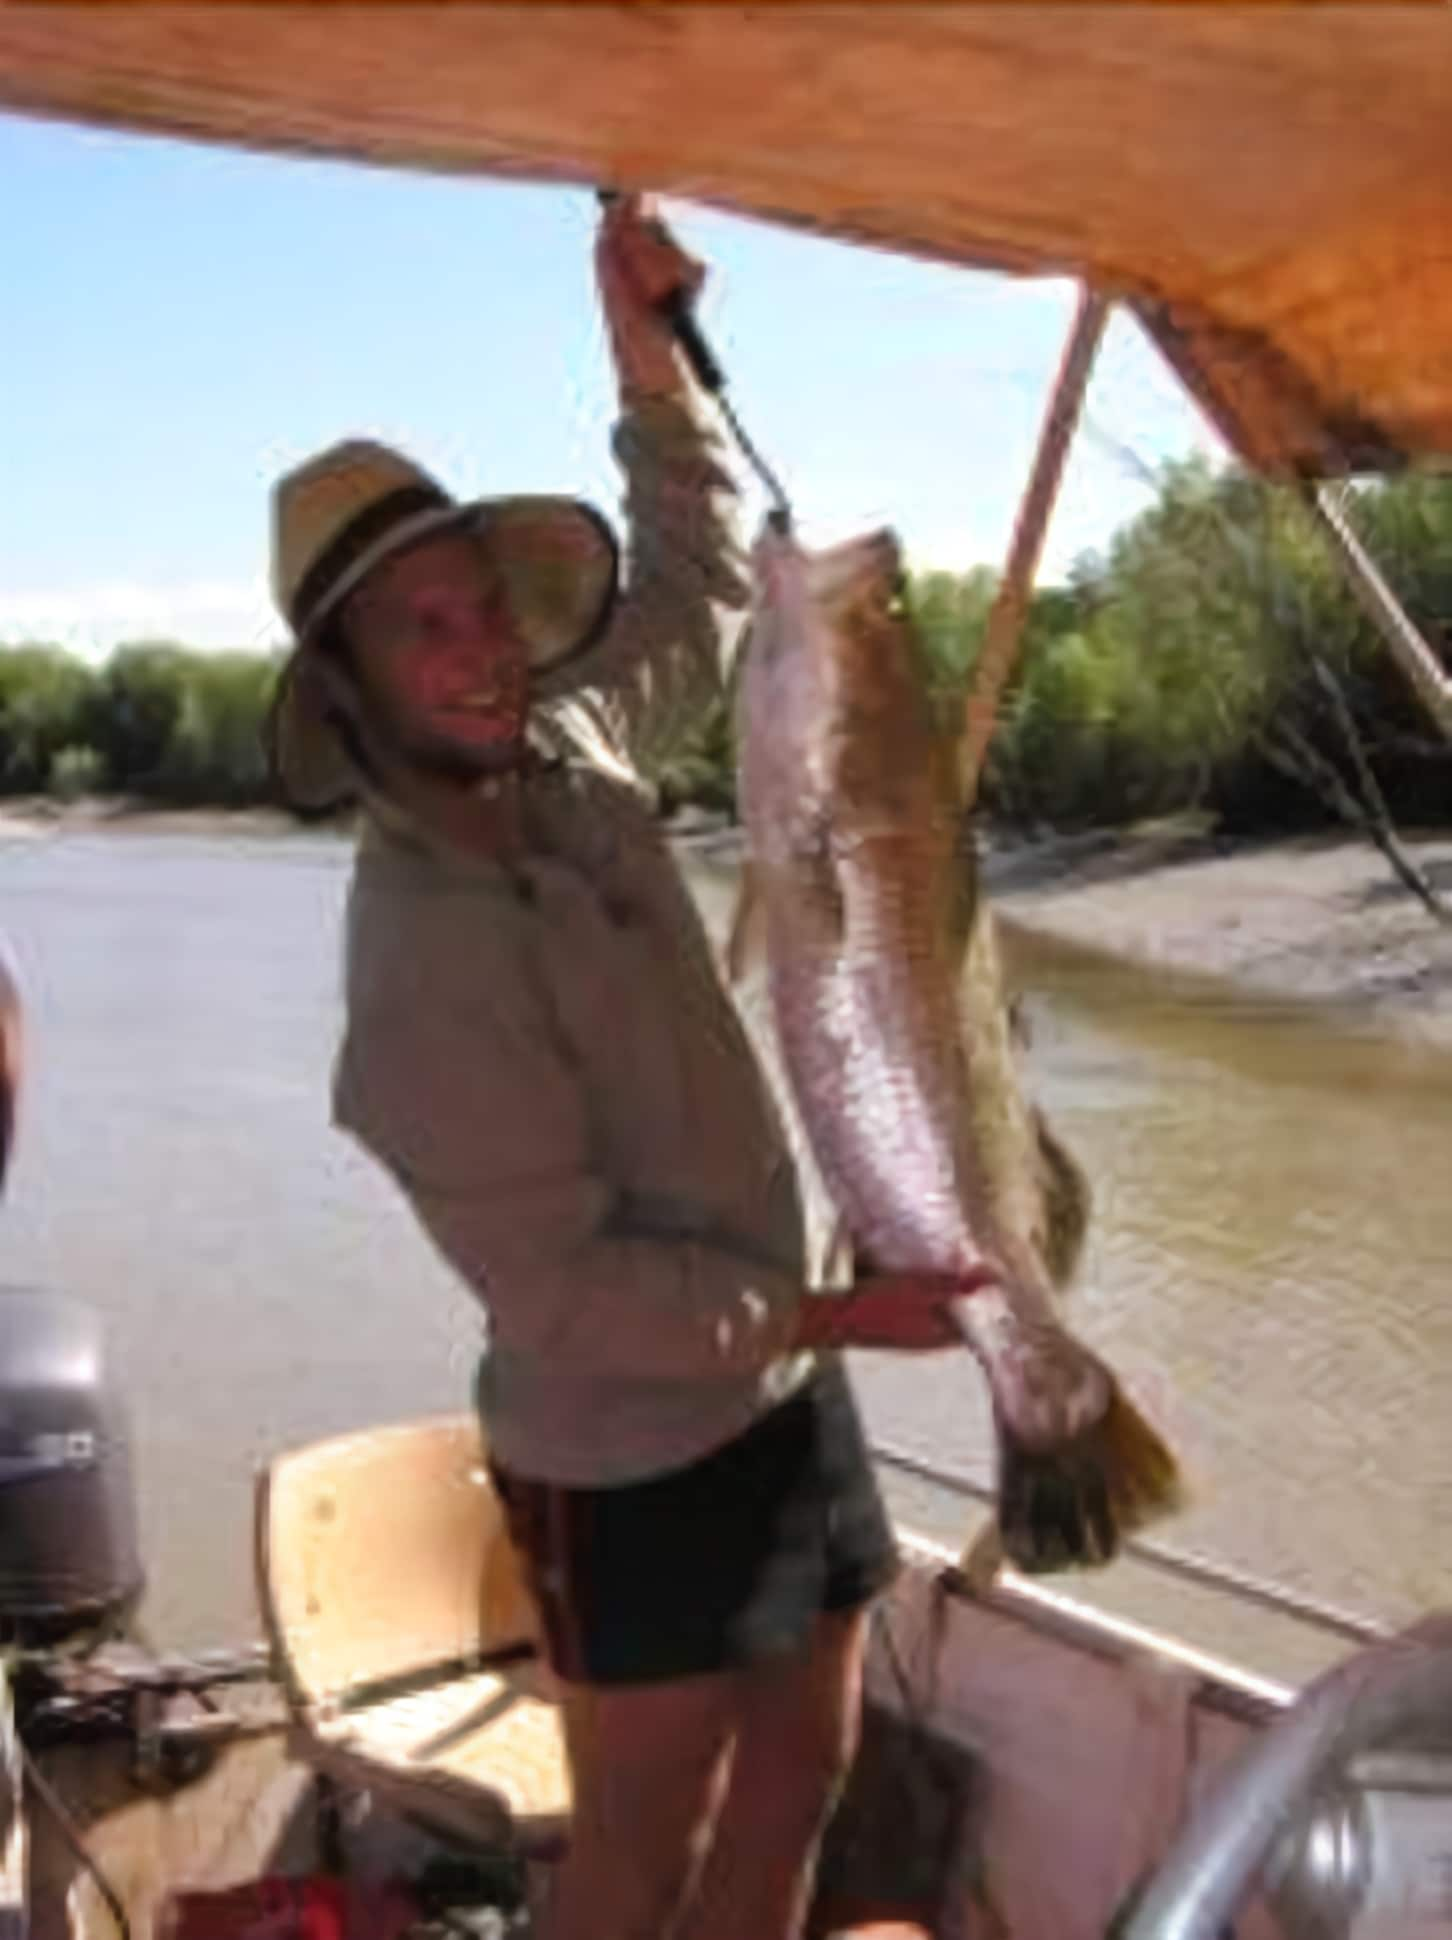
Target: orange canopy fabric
x,y
1268,186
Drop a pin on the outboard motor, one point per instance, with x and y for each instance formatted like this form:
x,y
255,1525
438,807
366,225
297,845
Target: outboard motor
x,y
70,1569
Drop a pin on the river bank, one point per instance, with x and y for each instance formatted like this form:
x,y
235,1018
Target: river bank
x,y
1317,919
27,816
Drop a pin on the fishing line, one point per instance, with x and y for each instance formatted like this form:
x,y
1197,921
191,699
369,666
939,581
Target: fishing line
x,y
21,1771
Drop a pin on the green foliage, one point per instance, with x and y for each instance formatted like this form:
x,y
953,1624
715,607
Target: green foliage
x,y
76,772
949,614
1177,671
45,705
157,721
214,751
141,696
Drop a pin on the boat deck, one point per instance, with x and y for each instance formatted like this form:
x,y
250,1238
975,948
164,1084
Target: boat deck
x,y
1000,1727
247,1810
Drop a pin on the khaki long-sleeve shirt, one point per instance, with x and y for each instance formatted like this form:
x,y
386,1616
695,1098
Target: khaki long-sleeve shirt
x,y
545,1060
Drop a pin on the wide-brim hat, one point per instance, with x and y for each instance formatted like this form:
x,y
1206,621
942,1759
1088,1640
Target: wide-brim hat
x,y
340,515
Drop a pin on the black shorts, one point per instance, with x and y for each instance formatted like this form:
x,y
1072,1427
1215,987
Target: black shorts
x,y
715,1566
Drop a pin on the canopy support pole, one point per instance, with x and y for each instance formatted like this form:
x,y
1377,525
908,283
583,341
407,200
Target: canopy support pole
x,y
1004,630
1426,676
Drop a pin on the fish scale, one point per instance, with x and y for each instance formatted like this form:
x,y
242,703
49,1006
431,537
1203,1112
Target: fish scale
x,y
888,1007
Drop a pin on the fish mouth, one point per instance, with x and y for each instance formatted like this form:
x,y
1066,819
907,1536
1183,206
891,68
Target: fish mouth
x,y
874,559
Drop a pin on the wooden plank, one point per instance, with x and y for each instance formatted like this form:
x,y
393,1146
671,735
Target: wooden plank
x,y
1004,631
1424,673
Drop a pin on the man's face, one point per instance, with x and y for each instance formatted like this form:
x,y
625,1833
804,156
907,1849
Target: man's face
x,y
442,671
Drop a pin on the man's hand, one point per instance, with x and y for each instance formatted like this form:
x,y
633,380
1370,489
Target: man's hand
x,y
910,1313
637,262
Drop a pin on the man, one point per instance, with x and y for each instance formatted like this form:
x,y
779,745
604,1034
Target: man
x,y
540,1053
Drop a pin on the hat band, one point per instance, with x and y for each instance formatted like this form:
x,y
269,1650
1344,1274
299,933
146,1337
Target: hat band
x,y
359,535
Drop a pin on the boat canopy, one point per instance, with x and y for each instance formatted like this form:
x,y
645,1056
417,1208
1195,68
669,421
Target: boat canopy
x,y
1269,188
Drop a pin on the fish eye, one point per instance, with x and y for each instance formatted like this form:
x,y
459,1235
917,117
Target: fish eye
x,y
896,597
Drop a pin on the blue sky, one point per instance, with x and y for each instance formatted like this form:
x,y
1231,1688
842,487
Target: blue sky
x,y
180,323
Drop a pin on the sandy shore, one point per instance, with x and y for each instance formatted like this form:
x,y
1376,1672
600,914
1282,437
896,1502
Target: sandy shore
x,y
1321,919
28,816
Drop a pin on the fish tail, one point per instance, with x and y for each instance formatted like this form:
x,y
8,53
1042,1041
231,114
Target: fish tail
x,y
1067,1202
1072,1506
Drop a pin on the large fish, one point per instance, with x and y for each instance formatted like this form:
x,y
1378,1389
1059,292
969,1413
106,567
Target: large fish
x,y
890,1016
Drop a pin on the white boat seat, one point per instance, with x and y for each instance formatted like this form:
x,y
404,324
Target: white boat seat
x,y
406,1639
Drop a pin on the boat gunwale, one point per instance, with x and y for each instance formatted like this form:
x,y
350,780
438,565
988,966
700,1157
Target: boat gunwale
x,y
1217,1685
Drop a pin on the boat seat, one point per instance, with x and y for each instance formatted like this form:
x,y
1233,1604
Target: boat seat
x,y
405,1637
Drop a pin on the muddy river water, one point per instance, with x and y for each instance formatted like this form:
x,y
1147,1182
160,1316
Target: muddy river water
x,y
1269,1263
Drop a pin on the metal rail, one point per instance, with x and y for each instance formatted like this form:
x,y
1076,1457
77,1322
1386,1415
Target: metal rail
x,y
1167,1562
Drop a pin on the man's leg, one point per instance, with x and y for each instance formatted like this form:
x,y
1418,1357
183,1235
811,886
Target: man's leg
x,y
797,1735
648,1762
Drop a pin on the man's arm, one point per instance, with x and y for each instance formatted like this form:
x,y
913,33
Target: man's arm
x,y
480,1119
650,681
